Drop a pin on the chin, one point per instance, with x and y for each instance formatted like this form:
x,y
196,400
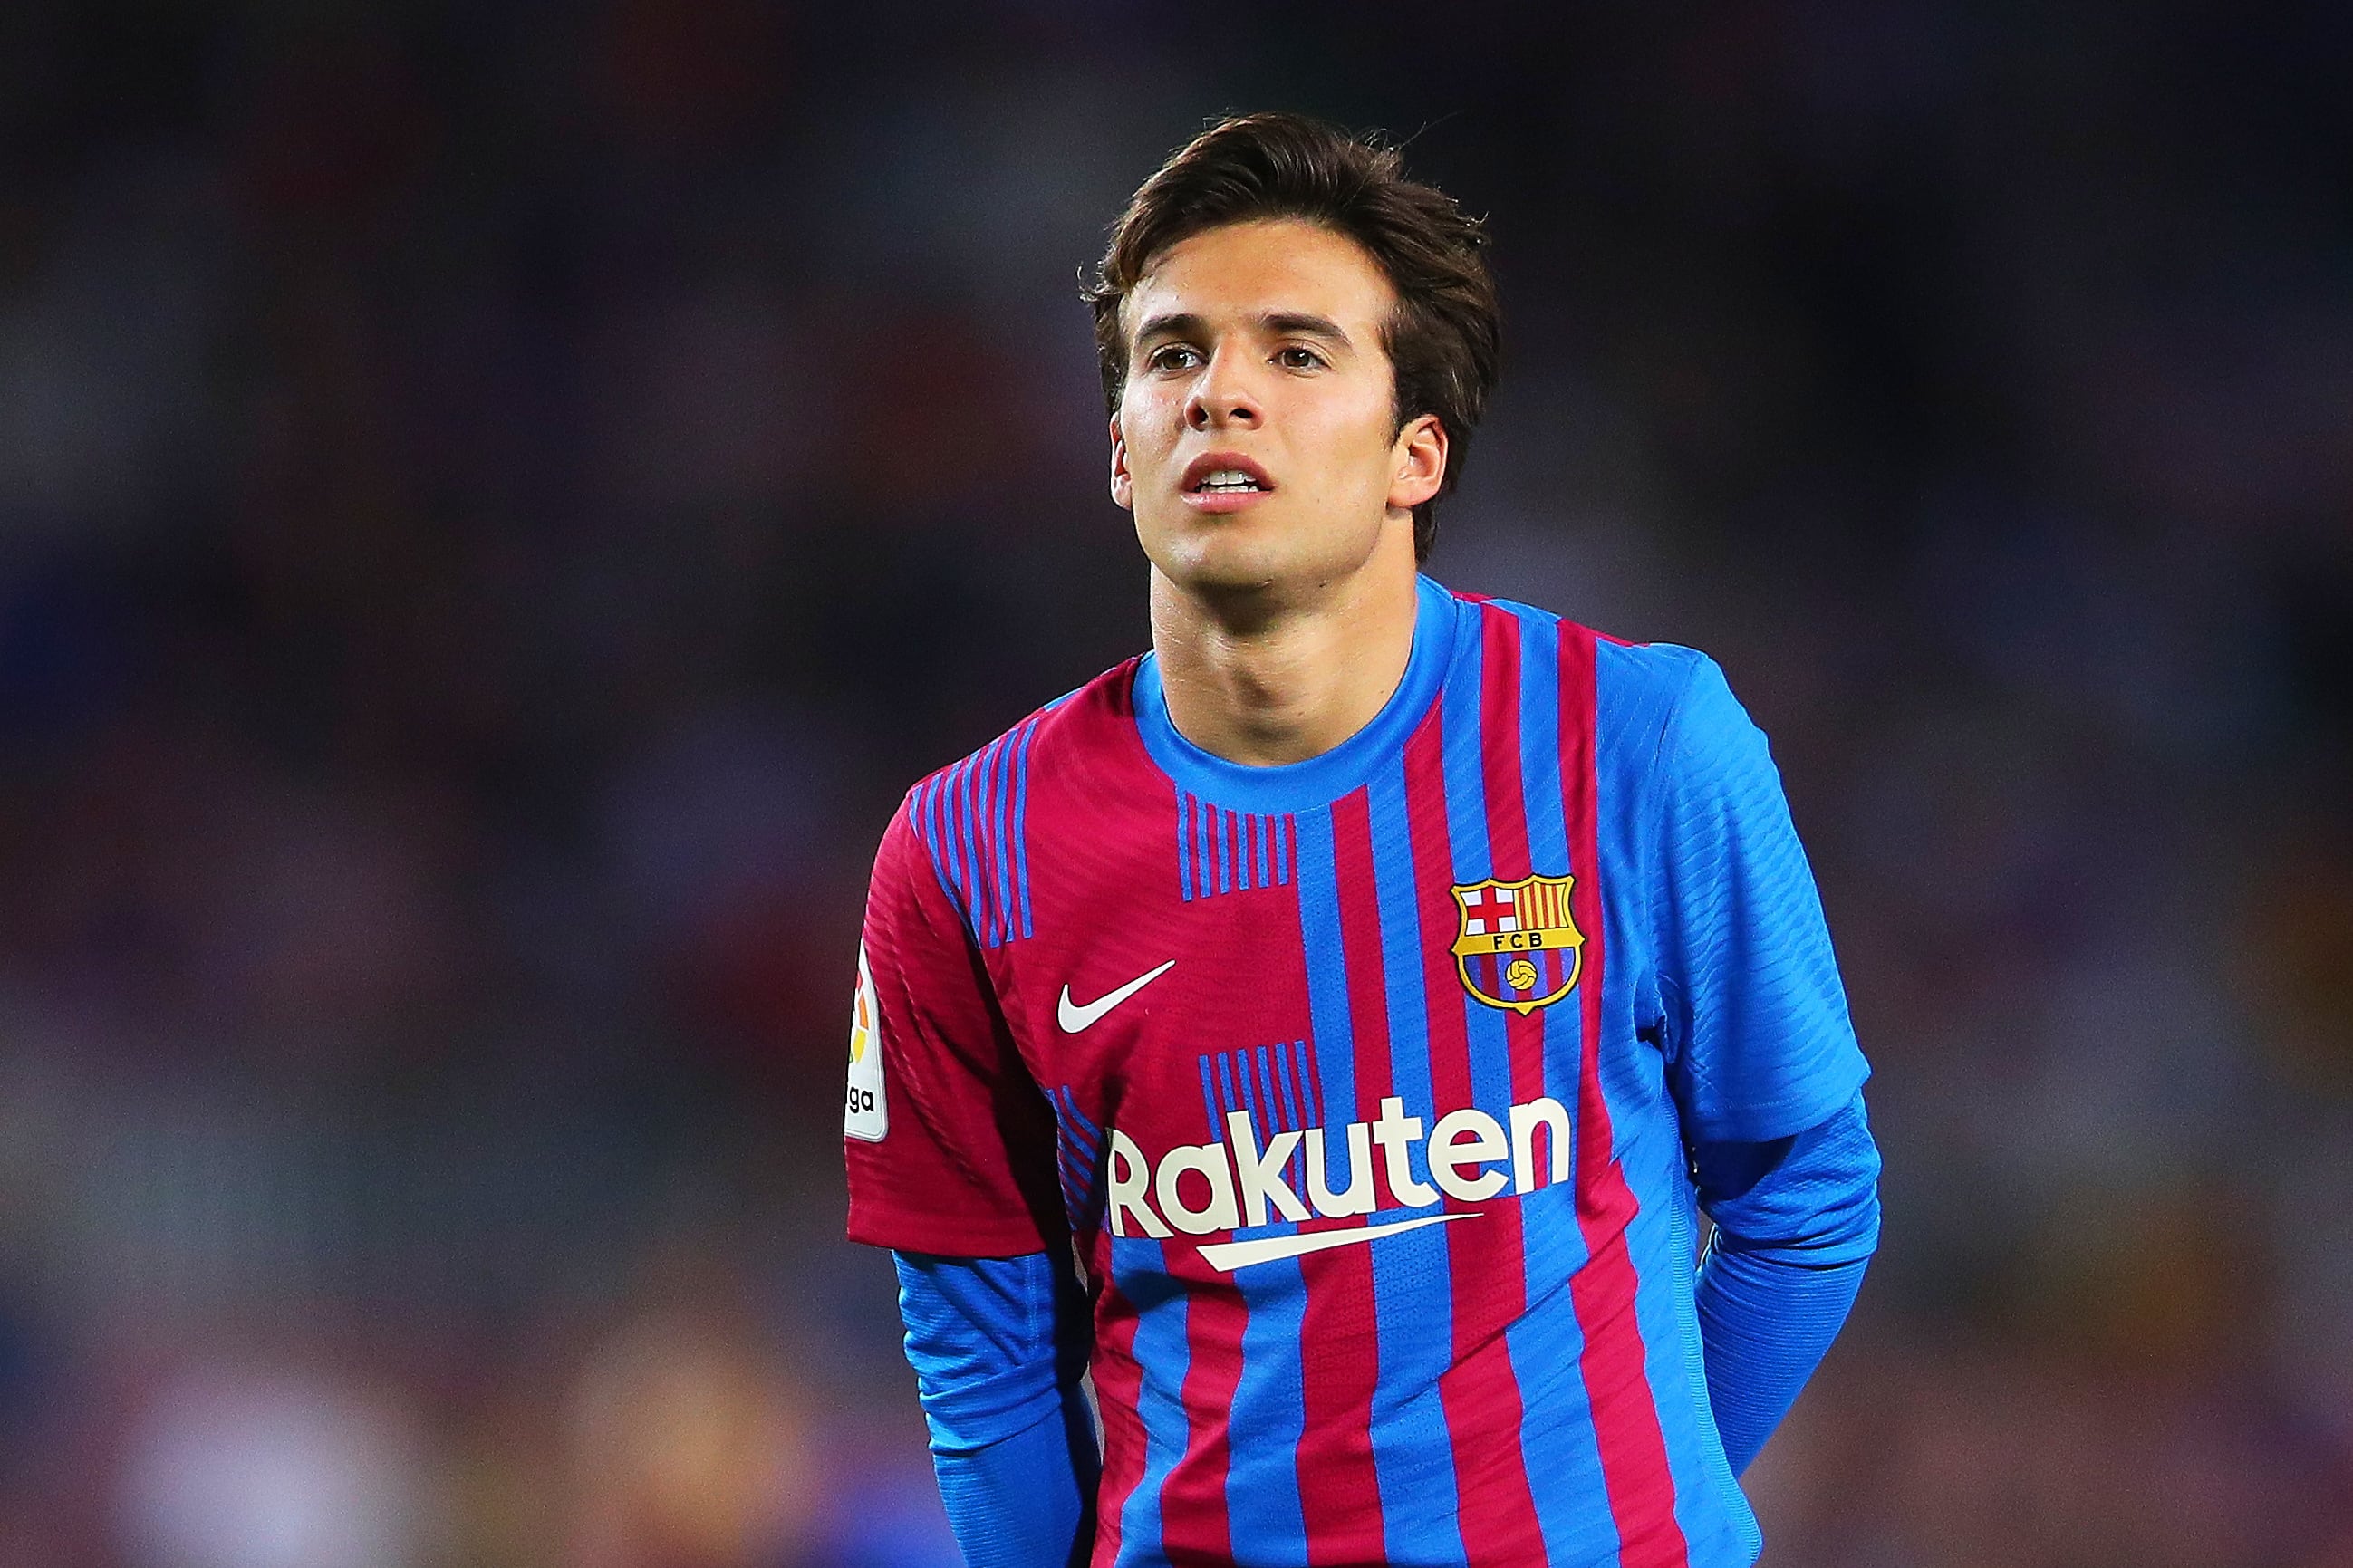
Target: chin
x,y
1234,557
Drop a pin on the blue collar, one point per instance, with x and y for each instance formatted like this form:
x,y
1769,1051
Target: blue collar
x,y
1323,779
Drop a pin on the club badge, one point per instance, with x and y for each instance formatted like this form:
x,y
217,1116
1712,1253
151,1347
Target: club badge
x,y
1518,948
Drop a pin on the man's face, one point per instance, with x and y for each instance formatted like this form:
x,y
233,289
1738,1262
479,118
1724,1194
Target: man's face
x,y
1255,440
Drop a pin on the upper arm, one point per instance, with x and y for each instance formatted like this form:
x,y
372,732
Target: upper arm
x,y
1755,1019
954,1151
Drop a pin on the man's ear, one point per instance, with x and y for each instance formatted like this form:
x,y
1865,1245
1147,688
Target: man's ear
x,y
1419,463
1122,484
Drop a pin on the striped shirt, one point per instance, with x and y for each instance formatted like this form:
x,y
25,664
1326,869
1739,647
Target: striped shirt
x,y
1362,1088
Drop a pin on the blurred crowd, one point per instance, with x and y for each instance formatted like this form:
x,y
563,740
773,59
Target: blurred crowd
x,y
496,500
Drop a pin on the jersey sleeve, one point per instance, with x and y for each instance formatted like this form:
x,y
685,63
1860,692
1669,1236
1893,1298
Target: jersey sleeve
x,y
949,1142
1758,1041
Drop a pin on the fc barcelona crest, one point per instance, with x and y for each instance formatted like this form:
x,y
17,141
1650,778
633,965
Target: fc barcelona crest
x,y
1518,947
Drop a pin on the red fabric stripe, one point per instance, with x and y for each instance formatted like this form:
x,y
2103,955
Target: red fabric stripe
x,y
1478,1391
1625,1415
1193,1526
1117,1385
1507,818
1339,1491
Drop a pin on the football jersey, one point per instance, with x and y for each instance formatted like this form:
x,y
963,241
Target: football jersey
x,y
1362,1088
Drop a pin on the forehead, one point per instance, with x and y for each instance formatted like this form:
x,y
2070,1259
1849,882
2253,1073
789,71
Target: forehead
x,y
1270,266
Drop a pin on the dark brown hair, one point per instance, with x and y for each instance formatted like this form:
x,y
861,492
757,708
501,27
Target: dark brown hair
x,y
1442,339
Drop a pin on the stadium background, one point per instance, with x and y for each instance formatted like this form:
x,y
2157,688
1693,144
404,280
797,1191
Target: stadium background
x,y
497,500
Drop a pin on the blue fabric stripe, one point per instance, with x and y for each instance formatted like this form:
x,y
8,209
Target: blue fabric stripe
x,y
1413,1307
1021,823
1184,855
1327,984
1311,1094
944,845
1292,1111
1270,1408
1294,1119
1264,1074
959,837
1076,1152
1205,851
975,784
1263,1504
1001,790
919,812
1209,828
1209,1101
1163,1357
1193,842
1540,742
976,837
927,816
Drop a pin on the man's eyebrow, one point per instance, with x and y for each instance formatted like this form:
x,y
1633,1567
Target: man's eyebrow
x,y
1177,324
1301,323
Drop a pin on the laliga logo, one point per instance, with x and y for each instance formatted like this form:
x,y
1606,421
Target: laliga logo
x,y
1239,1185
866,1115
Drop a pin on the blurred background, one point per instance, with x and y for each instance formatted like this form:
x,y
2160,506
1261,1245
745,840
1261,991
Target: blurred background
x,y
498,498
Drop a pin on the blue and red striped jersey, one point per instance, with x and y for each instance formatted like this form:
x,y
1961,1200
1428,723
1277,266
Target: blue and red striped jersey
x,y
1362,1088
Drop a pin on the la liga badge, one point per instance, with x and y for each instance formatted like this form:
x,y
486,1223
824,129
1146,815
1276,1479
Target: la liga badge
x,y
1518,946
867,1116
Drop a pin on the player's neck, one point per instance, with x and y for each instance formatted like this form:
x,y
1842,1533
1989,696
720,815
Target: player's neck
x,y
1266,683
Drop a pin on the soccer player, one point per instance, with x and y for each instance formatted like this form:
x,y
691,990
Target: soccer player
x,y
1327,1028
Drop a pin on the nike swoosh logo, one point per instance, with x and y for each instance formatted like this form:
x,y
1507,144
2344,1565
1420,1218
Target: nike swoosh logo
x,y
1073,1017
1233,1255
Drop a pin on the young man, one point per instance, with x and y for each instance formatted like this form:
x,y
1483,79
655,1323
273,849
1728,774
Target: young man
x,y
1326,1027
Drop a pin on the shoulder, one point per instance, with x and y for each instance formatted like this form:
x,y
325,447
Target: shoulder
x,y
1637,687
970,819
1078,720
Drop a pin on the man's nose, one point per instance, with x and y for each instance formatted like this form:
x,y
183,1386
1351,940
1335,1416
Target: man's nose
x,y
1222,396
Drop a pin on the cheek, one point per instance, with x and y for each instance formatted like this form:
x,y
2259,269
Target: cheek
x,y
1357,441
1148,422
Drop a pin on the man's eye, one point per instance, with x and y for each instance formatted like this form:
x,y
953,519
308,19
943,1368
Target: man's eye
x,y
1174,357
1295,357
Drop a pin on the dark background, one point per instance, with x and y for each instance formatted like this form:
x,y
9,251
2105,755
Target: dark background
x,y
498,498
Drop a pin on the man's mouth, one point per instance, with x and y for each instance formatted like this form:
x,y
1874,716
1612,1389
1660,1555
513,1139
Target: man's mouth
x,y
1224,476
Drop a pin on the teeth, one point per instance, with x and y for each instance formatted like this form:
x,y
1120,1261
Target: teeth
x,y
1229,479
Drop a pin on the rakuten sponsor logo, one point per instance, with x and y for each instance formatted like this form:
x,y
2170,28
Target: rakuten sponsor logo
x,y
1201,1189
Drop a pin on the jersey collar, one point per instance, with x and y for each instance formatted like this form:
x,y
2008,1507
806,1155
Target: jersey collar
x,y
1322,779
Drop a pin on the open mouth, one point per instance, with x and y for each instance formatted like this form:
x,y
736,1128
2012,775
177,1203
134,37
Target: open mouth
x,y
1215,476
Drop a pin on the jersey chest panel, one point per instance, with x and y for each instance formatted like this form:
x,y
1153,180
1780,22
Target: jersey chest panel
x,y
1132,995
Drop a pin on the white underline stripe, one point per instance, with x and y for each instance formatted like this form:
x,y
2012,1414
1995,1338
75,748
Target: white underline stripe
x,y
1233,1255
